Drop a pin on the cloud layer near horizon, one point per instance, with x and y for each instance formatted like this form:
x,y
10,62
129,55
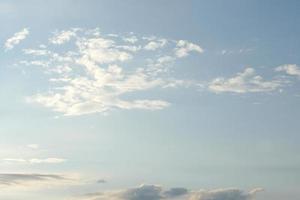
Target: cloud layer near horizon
x,y
35,180
156,192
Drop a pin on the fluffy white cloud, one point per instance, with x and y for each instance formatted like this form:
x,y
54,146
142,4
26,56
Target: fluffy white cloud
x,y
16,39
246,81
155,192
155,44
101,50
290,69
184,48
96,74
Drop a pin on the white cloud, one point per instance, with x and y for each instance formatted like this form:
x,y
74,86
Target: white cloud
x,y
184,48
34,160
246,81
36,52
96,74
63,37
161,65
33,146
99,73
16,39
14,160
101,50
155,44
132,39
290,69
47,160
156,192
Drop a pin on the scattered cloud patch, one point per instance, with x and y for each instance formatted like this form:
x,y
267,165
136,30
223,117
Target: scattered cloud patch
x,y
156,44
185,47
234,52
97,72
62,36
132,39
94,76
16,39
289,69
246,81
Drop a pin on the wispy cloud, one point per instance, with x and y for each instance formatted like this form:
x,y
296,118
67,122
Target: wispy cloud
x,y
35,160
16,39
246,81
24,180
30,154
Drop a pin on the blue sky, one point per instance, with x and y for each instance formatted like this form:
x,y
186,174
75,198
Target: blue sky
x,y
149,100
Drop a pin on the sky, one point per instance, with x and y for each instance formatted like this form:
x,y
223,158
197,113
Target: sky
x,y
149,100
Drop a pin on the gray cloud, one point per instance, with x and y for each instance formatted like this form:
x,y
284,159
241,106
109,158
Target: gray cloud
x,y
155,192
101,181
145,192
223,194
173,192
7,179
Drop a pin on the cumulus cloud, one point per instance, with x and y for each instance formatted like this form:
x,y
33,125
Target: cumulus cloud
x,y
16,39
96,74
246,81
156,192
290,69
185,47
155,44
